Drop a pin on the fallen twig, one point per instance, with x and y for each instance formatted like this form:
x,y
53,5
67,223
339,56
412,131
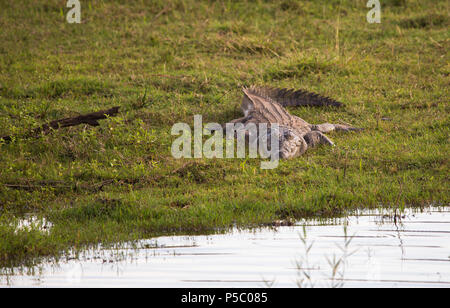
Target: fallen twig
x,y
90,119
62,185
58,185
163,11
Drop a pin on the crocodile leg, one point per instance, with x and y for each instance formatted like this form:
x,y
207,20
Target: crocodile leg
x,y
242,120
328,127
314,138
239,120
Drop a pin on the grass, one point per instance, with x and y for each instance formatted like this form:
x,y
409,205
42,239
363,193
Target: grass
x,y
165,61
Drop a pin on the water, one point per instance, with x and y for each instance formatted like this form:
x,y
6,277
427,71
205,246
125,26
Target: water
x,y
412,252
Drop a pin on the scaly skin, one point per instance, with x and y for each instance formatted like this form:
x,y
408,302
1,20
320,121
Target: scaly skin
x,y
266,105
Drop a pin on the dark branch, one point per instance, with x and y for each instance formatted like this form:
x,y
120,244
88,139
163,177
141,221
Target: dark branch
x,y
90,119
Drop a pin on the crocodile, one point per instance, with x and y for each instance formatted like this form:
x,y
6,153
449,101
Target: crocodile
x,y
267,105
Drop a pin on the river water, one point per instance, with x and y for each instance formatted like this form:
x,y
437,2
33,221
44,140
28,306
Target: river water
x,y
368,249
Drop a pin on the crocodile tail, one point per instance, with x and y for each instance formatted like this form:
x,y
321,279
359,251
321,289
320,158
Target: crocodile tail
x,y
290,97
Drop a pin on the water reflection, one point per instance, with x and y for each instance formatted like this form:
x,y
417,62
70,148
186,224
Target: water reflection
x,y
370,249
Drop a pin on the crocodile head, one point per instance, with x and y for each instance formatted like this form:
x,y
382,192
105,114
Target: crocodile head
x,y
291,144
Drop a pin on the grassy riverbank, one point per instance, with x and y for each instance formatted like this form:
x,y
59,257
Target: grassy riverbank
x,y
163,62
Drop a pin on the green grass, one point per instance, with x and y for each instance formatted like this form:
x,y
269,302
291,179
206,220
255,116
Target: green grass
x,y
163,62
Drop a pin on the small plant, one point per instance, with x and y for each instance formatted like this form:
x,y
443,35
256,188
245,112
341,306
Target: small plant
x,y
304,268
337,264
